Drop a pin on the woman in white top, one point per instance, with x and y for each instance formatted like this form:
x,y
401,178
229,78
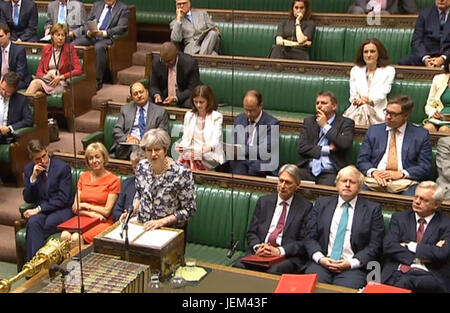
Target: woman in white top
x,y
201,145
370,82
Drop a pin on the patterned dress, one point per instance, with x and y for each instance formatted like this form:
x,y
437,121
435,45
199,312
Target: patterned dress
x,y
172,192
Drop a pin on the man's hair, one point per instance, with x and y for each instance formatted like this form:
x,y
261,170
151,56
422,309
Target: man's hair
x,y
11,79
138,82
351,169
35,146
292,170
438,195
406,102
5,28
329,94
255,94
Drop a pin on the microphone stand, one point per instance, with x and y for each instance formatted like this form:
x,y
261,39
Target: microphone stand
x,y
125,229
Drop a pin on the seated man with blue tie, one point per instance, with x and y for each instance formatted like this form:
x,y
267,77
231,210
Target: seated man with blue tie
x,y
383,6
111,18
278,225
396,155
345,232
15,111
417,246
48,184
22,18
70,12
325,141
431,40
136,118
195,30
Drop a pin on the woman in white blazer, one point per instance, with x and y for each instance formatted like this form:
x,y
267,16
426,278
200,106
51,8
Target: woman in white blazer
x,y
370,82
201,147
438,99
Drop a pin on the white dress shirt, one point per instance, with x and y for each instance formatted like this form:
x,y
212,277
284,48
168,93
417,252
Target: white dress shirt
x,y
347,252
135,130
252,130
4,107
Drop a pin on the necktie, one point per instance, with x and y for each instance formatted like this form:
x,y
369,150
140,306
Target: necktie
x,y
191,18
442,18
107,18
338,246
316,165
392,163
280,226
141,122
172,82
406,268
62,13
16,15
5,63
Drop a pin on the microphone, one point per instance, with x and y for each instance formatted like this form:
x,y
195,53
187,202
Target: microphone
x,y
233,247
54,269
124,224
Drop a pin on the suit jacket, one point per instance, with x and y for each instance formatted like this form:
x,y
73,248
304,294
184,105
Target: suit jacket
x,y
19,112
427,39
64,65
443,165
17,60
58,195
403,229
119,18
75,18
417,157
189,33
263,139
157,117
126,197
212,133
438,86
341,134
379,88
188,77
28,20
392,6
367,230
294,232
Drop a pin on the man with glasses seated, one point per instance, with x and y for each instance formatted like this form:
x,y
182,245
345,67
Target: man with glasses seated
x,y
396,155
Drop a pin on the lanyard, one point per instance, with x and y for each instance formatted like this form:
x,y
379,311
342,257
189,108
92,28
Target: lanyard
x,y
59,59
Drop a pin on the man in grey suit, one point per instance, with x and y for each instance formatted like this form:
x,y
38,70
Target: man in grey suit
x,y
137,117
71,12
195,30
112,19
384,6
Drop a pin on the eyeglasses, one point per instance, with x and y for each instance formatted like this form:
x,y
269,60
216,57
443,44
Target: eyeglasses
x,y
393,114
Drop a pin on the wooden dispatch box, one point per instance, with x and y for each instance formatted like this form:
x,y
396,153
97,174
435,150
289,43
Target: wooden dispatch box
x,y
165,258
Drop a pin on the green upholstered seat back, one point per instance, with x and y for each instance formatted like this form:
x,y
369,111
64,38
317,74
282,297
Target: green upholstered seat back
x,y
33,61
76,173
42,19
288,148
5,153
341,87
110,122
328,44
331,6
425,3
355,150
387,215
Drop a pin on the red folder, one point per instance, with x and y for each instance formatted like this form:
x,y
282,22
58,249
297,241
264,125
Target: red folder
x,y
373,287
297,283
263,261
86,223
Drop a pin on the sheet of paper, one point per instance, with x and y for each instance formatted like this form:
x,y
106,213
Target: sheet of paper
x,y
46,38
134,230
157,238
91,25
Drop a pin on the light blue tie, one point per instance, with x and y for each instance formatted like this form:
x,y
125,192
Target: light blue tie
x,y
107,18
336,252
316,165
62,14
191,18
16,15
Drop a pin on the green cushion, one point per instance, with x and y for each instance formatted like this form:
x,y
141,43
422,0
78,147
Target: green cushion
x,y
288,148
425,3
21,237
387,215
331,6
328,44
33,61
55,101
211,254
5,153
110,122
42,19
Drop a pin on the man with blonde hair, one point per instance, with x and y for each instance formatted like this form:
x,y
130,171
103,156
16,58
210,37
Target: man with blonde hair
x,y
345,232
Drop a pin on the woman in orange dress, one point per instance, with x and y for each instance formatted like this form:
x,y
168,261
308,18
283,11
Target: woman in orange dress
x,y
98,191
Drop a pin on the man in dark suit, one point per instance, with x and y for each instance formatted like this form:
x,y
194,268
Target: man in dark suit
x,y
384,6
258,133
397,154
16,56
15,112
137,117
48,184
125,201
112,19
174,77
22,18
345,232
417,245
431,40
325,141
279,225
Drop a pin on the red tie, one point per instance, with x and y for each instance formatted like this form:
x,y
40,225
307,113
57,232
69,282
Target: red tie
x,y
406,268
280,226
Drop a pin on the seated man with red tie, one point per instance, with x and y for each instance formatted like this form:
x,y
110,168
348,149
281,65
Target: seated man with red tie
x,y
48,184
417,245
279,225
345,232
396,155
